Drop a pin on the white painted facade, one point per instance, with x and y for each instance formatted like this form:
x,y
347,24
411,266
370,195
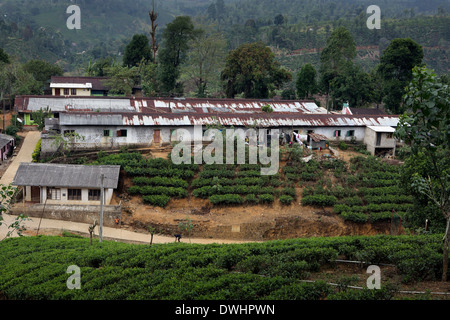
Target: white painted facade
x,y
61,196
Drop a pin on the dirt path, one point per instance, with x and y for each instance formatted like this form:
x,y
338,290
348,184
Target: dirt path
x,y
24,155
54,227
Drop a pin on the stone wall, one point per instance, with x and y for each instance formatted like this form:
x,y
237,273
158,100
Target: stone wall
x,y
75,213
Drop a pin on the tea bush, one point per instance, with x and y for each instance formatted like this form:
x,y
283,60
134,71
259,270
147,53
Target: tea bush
x,y
156,200
319,200
34,268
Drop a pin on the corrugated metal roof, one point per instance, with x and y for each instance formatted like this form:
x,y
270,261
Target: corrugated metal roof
x,y
5,139
65,175
317,137
260,120
176,105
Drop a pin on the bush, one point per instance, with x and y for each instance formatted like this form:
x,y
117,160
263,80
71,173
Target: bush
x,y
227,199
319,200
354,216
167,191
289,192
156,200
266,198
286,200
343,145
251,199
37,152
352,201
161,181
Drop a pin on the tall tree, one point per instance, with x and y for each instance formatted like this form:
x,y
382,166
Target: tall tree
x,y
337,55
43,71
137,51
206,59
4,58
352,85
153,17
426,127
306,84
122,79
176,39
395,68
252,69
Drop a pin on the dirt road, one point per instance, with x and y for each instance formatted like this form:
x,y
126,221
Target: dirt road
x,y
50,226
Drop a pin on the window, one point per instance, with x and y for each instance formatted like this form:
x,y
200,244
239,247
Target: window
x,y
74,194
389,135
122,133
337,133
94,195
73,92
350,133
106,133
53,194
66,92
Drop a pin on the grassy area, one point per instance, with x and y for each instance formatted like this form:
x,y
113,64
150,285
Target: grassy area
x,y
35,268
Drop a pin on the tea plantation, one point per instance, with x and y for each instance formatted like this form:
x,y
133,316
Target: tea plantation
x,y
35,268
365,190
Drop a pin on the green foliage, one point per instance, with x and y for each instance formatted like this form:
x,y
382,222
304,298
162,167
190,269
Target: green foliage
x,y
266,198
354,216
251,69
226,199
173,54
40,116
36,152
343,145
267,108
137,51
159,200
286,200
319,200
35,268
306,84
42,71
395,68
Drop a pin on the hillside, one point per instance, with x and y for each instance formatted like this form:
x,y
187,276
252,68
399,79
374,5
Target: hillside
x,y
38,29
35,268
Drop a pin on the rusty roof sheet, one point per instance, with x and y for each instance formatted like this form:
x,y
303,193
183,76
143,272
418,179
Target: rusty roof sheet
x,y
317,137
164,105
226,119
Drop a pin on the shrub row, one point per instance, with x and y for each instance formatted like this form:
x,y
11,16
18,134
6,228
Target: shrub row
x,y
227,199
157,200
393,190
338,191
151,190
224,173
207,191
35,267
319,200
388,198
370,208
373,183
161,181
153,172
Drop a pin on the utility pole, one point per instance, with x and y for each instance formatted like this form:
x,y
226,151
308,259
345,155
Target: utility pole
x,y
101,209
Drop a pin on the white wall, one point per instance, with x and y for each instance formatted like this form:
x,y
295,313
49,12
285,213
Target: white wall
x,y
84,197
370,139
